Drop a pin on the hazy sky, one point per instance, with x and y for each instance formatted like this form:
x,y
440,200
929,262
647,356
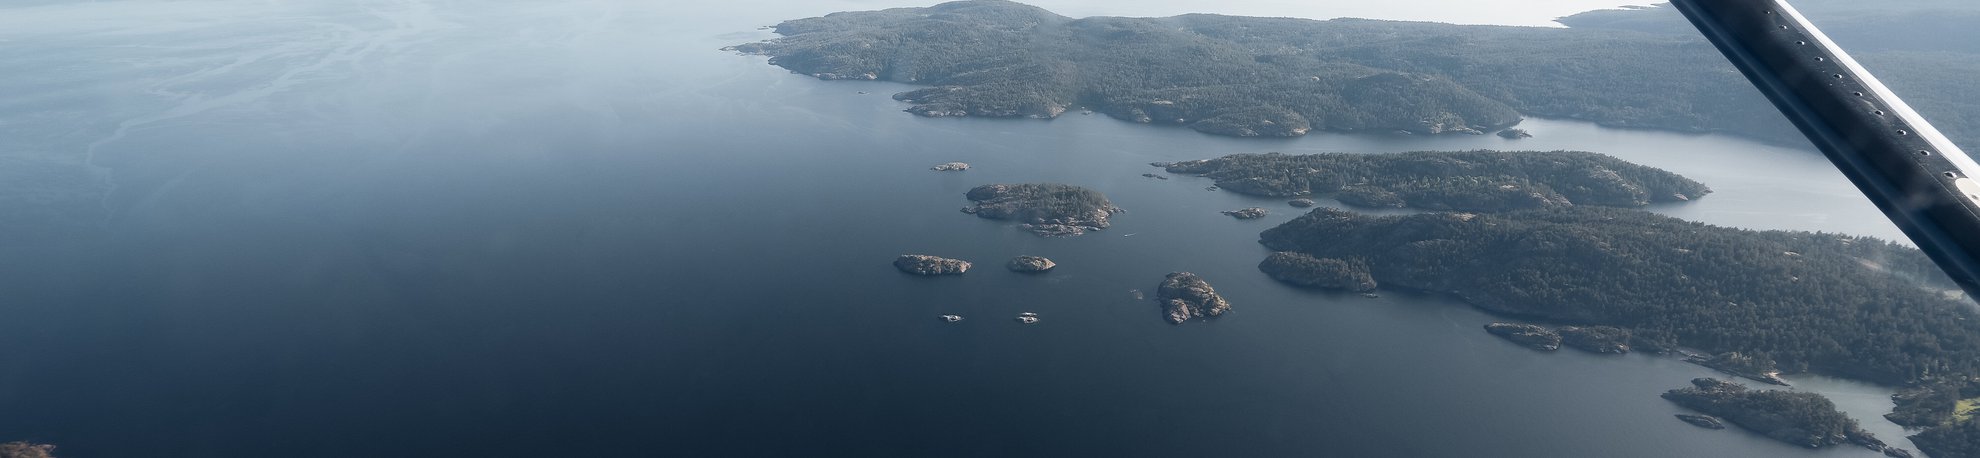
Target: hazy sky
x,y
1507,12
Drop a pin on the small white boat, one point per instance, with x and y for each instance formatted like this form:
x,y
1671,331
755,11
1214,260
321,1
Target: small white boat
x,y
1029,314
951,318
1027,319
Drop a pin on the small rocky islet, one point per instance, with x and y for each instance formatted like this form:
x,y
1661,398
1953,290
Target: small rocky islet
x,y
1248,213
1045,209
1030,264
926,265
950,167
1185,295
19,449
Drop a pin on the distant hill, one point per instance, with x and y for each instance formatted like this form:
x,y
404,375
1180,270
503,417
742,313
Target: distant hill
x,y
1246,76
1450,180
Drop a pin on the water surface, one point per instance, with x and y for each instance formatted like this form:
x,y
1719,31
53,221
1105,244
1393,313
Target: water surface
x,y
575,228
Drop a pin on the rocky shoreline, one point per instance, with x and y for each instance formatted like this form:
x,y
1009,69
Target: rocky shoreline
x,y
1045,209
1185,295
1030,264
921,264
1798,418
1530,336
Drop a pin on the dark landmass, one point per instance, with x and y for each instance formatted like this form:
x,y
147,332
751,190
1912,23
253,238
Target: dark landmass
x,y
1798,418
1702,421
1051,210
1758,368
1515,134
1852,307
1247,76
1248,213
26,450
921,264
1945,409
1465,181
1595,339
1302,203
1932,404
1532,336
1303,270
1956,440
1030,264
1185,295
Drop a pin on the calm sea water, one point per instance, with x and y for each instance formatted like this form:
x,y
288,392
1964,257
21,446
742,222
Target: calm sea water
x,y
403,228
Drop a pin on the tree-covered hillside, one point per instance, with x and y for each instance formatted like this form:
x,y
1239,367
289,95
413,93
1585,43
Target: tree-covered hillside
x,y
1440,180
1839,305
1283,77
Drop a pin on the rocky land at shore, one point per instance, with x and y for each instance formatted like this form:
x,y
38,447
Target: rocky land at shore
x,y
1185,295
921,264
1046,209
1030,264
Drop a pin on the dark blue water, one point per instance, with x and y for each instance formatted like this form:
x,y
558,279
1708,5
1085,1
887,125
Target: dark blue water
x,y
512,229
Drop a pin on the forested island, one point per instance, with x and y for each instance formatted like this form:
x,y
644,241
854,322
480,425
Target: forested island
x,y
1811,302
1439,180
1803,419
1765,301
1046,209
1247,76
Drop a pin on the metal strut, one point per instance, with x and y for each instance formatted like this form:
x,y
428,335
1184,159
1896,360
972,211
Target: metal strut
x,y
1908,169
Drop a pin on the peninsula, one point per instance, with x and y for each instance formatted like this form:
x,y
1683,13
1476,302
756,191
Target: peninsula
x,y
1439,180
1277,77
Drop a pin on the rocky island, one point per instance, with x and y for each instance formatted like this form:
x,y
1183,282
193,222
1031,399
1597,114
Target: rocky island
x,y
1798,418
1302,203
921,264
1030,264
1445,180
26,450
1531,336
1514,134
1185,295
1050,210
950,167
1248,213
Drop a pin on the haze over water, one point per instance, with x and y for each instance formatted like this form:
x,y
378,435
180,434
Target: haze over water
x,y
575,228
